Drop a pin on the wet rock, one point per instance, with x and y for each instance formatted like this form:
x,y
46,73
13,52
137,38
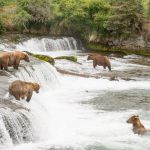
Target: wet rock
x,y
43,57
71,58
141,61
66,72
114,78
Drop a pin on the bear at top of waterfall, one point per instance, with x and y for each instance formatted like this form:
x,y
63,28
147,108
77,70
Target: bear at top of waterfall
x,y
138,127
100,60
20,89
12,58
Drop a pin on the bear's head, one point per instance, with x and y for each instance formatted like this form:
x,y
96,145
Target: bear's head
x,y
26,57
91,57
134,119
36,87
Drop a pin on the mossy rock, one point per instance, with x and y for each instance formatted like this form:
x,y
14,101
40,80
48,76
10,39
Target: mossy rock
x,y
71,58
43,57
98,48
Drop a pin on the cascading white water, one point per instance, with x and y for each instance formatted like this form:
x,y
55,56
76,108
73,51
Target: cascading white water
x,y
15,125
18,119
72,116
43,73
49,44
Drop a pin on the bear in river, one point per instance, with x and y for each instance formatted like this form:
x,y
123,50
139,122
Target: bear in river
x,y
138,127
100,60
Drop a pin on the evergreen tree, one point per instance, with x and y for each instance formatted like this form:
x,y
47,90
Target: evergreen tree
x,y
126,18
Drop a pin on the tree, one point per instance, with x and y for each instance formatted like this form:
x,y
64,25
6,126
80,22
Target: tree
x,y
74,16
98,11
2,3
126,18
148,13
2,29
21,19
32,12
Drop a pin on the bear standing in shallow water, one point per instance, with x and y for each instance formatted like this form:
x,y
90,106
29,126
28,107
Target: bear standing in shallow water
x,y
12,59
20,89
138,127
100,60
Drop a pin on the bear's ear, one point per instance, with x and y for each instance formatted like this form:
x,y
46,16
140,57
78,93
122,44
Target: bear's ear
x,y
136,117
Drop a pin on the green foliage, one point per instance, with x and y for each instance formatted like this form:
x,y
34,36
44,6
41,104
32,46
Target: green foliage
x,y
98,12
116,18
126,18
75,18
148,9
21,19
2,29
32,12
82,18
6,2
2,3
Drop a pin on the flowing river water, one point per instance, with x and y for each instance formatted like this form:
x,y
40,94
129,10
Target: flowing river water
x,y
77,113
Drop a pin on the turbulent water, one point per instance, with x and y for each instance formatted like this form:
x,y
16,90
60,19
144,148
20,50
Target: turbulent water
x,y
75,113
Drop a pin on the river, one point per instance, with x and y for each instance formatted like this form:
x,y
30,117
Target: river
x,y
76,113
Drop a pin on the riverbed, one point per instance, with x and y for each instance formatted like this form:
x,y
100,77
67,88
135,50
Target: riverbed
x,y
80,113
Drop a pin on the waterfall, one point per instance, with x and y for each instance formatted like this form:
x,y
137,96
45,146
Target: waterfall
x,y
20,121
19,118
43,73
50,44
15,127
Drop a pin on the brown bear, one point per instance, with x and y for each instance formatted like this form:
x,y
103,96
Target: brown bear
x,y
12,59
20,89
138,127
100,60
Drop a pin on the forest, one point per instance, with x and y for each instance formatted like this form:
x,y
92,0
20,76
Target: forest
x,y
117,18
89,20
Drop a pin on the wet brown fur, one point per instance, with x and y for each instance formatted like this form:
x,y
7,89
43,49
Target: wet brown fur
x,y
138,127
20,89
13,58
100,61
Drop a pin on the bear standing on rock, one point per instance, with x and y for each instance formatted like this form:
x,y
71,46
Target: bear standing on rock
x,y
100,60
20,89
12,59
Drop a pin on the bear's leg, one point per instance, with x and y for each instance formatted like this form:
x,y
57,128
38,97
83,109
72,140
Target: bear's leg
x,y
29,96
104,67
109,68
23,97
5,64
16,67
6,68
1,67
16,64
94,63
17,97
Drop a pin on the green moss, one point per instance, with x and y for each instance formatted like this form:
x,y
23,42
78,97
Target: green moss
x,y
71,58
98,48
43,57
